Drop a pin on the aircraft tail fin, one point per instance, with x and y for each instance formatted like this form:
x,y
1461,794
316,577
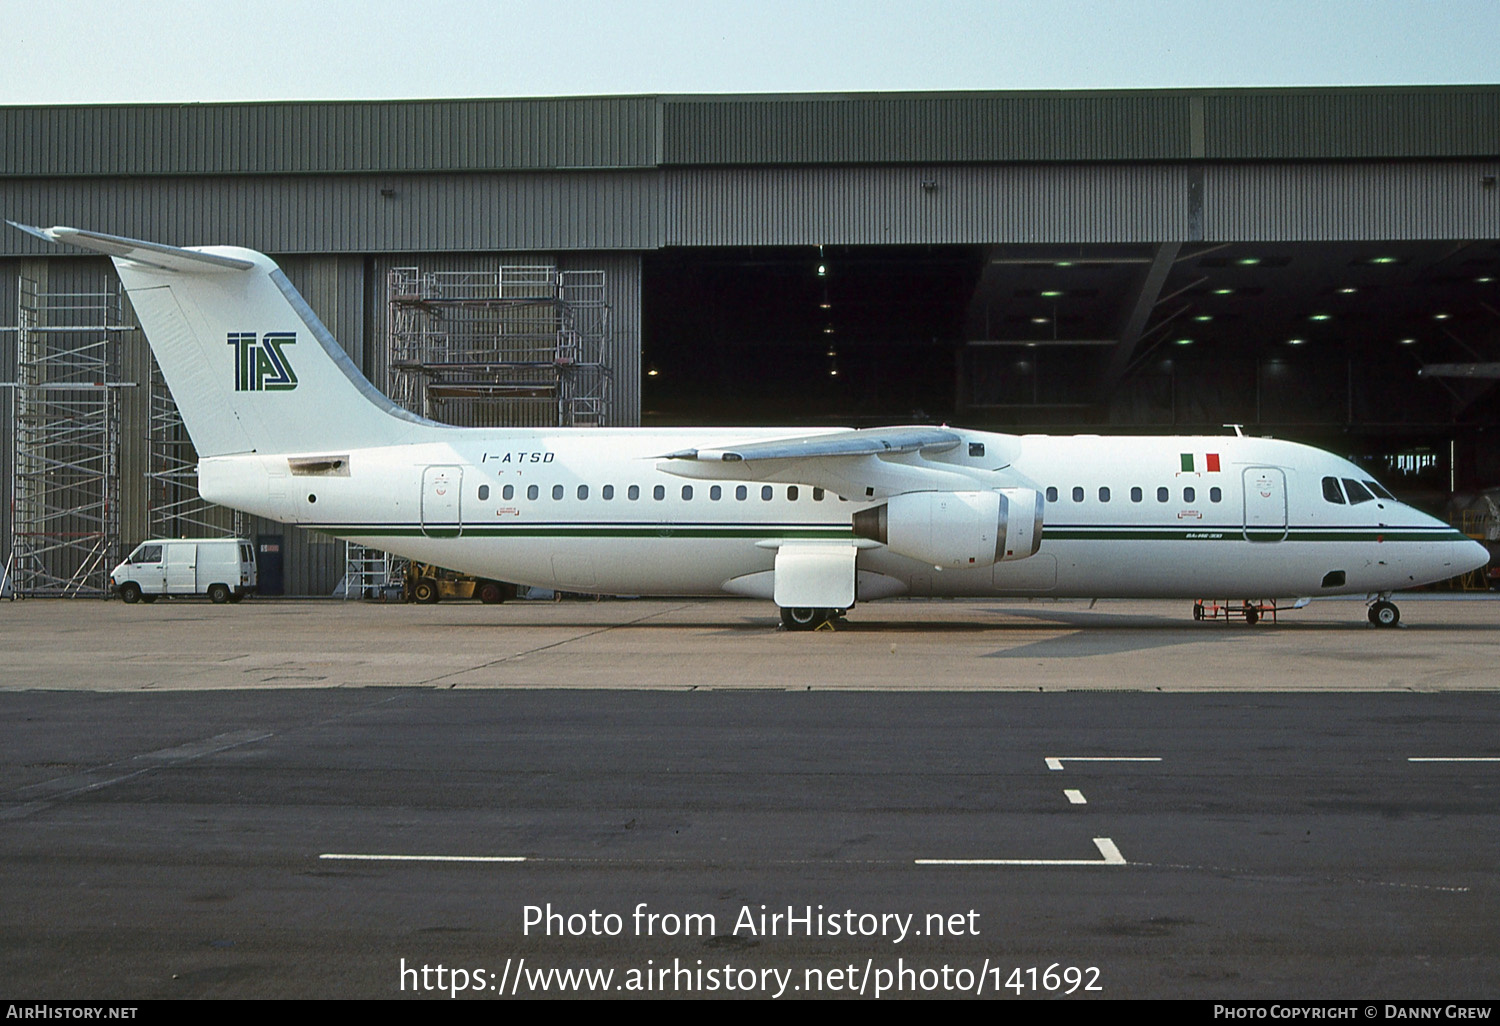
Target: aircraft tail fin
x,y
251,366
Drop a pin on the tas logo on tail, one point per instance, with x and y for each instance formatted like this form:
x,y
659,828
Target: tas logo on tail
x,y
260,365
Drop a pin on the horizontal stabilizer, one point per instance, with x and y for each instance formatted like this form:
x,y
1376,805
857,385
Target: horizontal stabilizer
x,y
137,251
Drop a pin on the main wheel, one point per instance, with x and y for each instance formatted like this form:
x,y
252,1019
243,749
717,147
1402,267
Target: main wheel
x,y
1385,614
425,590
218,594
1197,610
130,592
804,618
490,592
1251,615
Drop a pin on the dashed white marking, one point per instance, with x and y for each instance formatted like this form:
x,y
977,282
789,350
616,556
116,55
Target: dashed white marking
x,y
1055,762
1076,797
421,858
1107,848
1458,758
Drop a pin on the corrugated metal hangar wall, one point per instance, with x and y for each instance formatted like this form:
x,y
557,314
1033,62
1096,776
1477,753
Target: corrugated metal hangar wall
x,y
341,192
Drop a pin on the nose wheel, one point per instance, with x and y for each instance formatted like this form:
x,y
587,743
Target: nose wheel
x,y
1384,614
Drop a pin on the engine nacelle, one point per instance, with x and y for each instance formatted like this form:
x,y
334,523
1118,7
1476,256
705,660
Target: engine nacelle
x,y
952,530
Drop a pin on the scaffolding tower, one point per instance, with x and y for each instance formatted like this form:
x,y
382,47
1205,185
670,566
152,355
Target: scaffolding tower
x,y
66,413
521,345
518,345
368,573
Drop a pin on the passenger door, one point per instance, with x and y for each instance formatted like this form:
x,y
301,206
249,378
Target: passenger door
x,y
1265,504
442,488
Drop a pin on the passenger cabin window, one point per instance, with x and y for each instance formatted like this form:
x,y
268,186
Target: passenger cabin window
x,y
1051,494
1103,494
765,492
1161,495
484,492
715,493
608,492
532,491
508,492
791,492
687,492
1215,494
1189,495
583,491
557,492
1357,492
659,493
633,492
1077,494
741,493
1331,490
1136,495
817,495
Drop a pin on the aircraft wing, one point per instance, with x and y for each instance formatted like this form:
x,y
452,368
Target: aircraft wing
x,y
865,442
864,463
137,251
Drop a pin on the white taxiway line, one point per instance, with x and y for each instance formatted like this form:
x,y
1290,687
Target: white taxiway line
x,y
1112,857
422,858
1459,758
1055,762
1076,797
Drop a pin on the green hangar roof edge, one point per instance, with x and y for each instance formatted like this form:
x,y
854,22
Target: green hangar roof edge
x,y
750,129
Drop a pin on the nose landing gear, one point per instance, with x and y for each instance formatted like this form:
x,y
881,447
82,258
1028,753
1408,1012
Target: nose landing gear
x,y
1383,613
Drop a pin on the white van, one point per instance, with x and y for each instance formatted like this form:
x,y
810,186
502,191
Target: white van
x,y
221,568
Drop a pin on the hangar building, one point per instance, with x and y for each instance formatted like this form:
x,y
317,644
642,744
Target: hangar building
x,y
1320,264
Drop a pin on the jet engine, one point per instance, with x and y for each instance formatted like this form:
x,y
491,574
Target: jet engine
x,y
952,530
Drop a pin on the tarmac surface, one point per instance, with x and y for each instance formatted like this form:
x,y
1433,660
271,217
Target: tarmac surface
x,y
322,799
1442,644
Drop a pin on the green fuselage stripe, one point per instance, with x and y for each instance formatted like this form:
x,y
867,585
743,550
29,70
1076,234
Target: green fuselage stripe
x,y
833,532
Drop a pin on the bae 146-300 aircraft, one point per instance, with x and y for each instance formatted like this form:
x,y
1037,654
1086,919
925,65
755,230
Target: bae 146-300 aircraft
x,y
287,428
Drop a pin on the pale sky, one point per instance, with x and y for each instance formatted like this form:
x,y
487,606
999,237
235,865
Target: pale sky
x,y
124,51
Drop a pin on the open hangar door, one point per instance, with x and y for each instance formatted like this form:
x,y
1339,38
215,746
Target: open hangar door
x,y
1383,351
852,335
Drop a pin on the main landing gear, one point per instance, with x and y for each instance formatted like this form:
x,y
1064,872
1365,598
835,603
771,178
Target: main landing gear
x,y
1383,613
804,618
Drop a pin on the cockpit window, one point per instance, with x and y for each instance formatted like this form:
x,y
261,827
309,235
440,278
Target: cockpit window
x,y
1375,487
1357,492
1331,490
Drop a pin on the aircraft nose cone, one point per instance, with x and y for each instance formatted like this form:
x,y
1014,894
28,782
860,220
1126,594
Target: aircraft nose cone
x,y
1475,556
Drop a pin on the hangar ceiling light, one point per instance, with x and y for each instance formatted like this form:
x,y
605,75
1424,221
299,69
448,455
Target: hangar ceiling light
x,y
1320,317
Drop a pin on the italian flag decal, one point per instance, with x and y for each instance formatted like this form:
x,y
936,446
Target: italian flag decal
x,y
1210,463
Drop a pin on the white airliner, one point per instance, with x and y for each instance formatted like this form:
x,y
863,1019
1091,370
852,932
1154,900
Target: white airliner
x,y
287,428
